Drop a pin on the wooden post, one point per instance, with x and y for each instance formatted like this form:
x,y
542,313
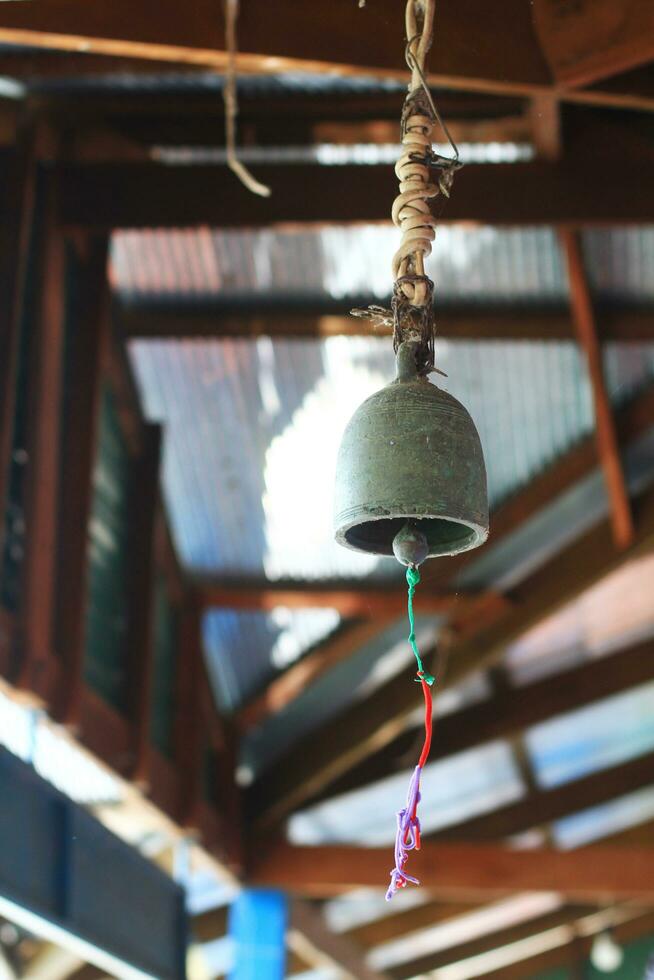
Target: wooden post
x,y
188,729
607,441
141,634
87,335
37,668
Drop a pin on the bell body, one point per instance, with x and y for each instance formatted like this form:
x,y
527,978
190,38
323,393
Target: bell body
x,y
411,452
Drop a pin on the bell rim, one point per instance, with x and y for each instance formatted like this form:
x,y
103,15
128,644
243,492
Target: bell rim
x,y
479,537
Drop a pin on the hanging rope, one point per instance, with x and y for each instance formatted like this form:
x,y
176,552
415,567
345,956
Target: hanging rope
x,y
407,837
231,105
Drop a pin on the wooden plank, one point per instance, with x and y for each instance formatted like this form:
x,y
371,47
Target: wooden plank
x,y
338,950
329,320
140,634
393,926
188,736
509,711
38,666
17,167
352,600
355,734
104,732
607,441
546,805
589,874
572,950
567,915
587,41
85,345
289,37
568,192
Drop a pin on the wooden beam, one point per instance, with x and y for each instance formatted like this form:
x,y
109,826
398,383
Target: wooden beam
x,y
567,915
188,734
546,805
572,950
355,734
38,666
140,634
590,874
85,350
18,178
568,192
425,916
351,599
545,118
287,38
506,58
607,441
509,711
331,949
326,319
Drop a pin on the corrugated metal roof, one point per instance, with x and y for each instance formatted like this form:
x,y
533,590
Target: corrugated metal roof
x,y
620,263
471,265
454,789
612,614
580,742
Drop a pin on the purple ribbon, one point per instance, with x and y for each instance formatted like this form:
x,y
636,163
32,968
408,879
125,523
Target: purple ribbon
x,y
406,838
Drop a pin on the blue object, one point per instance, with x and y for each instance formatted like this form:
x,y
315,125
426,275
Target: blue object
x,y
257,925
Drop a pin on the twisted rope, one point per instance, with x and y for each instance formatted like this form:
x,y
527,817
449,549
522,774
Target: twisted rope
x,y
411,210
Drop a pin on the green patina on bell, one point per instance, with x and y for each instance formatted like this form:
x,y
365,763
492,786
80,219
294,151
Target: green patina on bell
x,y
410,477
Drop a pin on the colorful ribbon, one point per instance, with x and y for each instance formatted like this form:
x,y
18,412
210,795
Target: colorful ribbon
x,y
407,837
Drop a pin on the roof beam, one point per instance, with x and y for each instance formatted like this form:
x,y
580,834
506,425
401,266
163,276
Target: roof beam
x,y
323,318
571,950
588,874
510,711
505,59
573,191
351,599
420,965
546,805
356,734
325,948
607,441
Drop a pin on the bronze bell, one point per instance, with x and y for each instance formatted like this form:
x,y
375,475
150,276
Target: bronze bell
x,y
410,476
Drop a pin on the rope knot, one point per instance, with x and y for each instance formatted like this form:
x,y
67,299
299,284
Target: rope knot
x,y
412,576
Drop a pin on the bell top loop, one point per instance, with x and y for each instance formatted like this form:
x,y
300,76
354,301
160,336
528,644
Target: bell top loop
x,y
406,360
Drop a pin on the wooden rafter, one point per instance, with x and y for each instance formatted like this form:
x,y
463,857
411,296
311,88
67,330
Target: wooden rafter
x,y
350,599
505,59
567,192
546,805
328,948
509,711
589,874
607,441
323,320
566,915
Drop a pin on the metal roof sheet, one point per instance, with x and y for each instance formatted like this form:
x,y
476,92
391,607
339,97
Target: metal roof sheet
x,y
453,789
472,265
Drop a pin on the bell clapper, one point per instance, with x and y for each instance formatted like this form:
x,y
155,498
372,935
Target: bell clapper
x,y
410,545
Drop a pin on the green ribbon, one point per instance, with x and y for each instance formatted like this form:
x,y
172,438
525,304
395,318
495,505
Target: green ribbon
x,y
413,578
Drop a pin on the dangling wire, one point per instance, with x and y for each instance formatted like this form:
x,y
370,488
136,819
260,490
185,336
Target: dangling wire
x,y
231,105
